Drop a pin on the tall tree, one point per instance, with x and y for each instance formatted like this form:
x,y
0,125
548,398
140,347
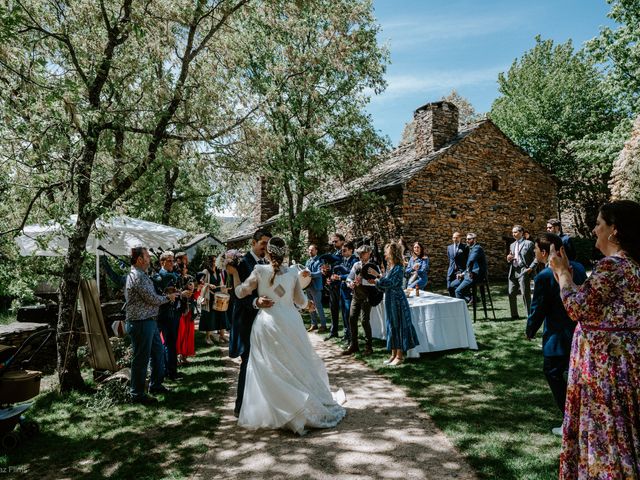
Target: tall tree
x,y
551,98
93,92
618,52
315,65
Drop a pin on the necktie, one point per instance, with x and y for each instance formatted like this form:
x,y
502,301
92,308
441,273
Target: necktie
x,y
517,254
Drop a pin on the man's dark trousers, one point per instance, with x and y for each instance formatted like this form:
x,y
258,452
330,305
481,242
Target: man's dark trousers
x,y
334,305
168,323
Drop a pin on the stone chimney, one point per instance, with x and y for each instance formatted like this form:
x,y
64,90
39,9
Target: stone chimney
x,y
267,208
436,124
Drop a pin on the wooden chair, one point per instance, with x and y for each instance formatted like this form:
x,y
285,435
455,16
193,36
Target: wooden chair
x,y
484,292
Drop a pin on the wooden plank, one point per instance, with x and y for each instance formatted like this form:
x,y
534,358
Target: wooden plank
x,y
102,357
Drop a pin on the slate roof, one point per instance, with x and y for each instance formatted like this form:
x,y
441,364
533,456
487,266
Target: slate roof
x,y
248,228
195,239
397,169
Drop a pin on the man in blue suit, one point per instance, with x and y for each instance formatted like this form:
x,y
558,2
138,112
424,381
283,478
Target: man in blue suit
x,y
314,291
245,311
547,308
458,254
475,272
340,273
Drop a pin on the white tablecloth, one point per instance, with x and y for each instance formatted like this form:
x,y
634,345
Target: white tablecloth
x,y
441,323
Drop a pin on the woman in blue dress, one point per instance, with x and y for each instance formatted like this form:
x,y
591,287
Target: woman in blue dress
x,y
418,268
401,335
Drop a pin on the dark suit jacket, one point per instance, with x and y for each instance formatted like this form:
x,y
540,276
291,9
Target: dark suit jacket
x,y
568,246
244,312
477,263
547,307
457,260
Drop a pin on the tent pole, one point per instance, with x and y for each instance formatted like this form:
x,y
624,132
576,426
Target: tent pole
x,y
98,272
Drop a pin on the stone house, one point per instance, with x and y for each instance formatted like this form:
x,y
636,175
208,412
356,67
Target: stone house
x,y
448,179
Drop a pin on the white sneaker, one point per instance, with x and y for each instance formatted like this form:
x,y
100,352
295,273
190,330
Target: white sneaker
x,y
557,431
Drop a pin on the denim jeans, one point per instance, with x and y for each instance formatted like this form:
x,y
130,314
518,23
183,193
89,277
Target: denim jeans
x,y
168,325
146,344
316,296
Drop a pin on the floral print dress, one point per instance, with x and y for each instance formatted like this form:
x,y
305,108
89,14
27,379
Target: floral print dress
x,y
601,429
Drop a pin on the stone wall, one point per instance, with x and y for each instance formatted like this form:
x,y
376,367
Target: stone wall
x,y
484,184
435,125
381,220
267,208
624,182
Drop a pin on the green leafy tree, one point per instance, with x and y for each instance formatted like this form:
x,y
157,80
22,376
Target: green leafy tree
x,y
551,98
94,93
618,51
314,66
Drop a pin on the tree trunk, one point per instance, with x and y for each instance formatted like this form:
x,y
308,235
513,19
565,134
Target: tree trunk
x,y
170,179
68,321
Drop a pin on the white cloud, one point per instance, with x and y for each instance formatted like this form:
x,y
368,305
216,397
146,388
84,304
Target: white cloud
x,y
403,33
436,81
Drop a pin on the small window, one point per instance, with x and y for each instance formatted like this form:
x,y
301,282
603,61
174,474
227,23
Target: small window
x,y
494,185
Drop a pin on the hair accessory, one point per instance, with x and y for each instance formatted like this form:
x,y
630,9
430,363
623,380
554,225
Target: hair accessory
x,y
276,250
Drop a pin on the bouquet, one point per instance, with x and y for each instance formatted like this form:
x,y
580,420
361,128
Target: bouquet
x,y
231,257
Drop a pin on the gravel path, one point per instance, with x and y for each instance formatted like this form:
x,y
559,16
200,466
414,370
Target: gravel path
x,y
384,436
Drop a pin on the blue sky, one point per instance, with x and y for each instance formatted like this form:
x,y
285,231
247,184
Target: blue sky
x,y
439,45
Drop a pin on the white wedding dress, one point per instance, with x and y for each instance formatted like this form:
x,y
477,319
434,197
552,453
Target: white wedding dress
x,y
287,384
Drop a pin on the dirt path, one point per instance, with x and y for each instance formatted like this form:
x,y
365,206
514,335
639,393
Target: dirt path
x,y
384,436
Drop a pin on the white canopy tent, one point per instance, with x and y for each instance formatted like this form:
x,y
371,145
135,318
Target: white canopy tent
x,y
118,235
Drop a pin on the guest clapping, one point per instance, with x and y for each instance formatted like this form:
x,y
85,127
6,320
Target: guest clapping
x,y
418,267
601,430
401,335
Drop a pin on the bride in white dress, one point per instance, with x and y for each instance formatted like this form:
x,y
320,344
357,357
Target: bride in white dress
x,y
287,384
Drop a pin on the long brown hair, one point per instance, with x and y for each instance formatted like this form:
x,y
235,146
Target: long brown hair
x,y
421,254
395,253
276,249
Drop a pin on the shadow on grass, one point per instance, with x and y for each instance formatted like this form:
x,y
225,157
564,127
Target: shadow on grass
x,y
493,403
126,441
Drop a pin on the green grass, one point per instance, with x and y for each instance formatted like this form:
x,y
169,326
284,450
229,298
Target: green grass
x,y
7,317
80,439
494,403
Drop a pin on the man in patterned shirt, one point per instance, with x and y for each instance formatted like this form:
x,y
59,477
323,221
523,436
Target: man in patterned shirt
x,y
142,312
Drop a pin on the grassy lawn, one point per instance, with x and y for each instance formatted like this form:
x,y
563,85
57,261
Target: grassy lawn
x,y
7,317
84,438
494,404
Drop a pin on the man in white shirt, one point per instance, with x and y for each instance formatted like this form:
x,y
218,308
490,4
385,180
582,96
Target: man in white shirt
x,y
360,306
521,259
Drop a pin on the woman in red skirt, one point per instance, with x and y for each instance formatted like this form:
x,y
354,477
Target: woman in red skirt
x,y
186,331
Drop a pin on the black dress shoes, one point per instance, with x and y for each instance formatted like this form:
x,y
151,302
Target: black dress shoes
x,y
349,351
159,389
330,337
145,400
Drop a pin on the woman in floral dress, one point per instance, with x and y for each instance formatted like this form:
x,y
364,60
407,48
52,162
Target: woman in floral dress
x,y
601,429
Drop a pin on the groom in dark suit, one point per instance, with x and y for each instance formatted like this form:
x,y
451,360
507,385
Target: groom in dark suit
x,y
246,309
458,254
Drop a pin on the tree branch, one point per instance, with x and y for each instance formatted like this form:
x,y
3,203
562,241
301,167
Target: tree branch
x,y
25,217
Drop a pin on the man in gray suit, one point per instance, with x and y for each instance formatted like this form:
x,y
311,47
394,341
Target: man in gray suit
x,y
521,260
